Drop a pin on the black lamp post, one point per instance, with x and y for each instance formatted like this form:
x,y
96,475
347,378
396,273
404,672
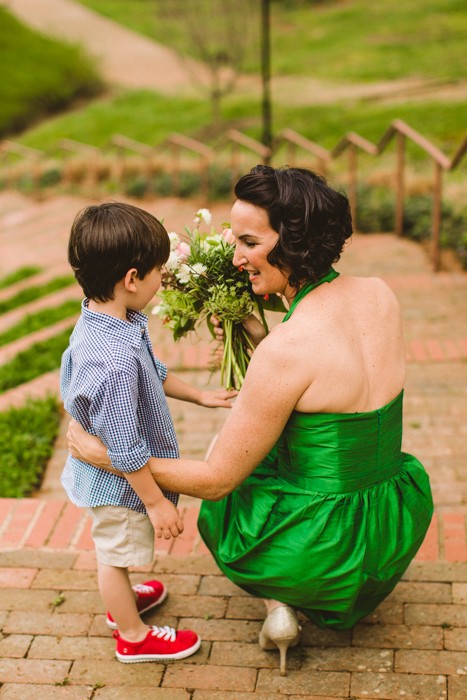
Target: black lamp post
x,y
266,73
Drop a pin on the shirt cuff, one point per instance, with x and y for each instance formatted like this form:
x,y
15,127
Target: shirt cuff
x,y
162,370
130,461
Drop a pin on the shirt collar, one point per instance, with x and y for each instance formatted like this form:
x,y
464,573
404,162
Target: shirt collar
x,y
131,331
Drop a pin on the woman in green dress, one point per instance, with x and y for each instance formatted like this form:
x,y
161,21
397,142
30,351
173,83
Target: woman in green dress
x,y
309,501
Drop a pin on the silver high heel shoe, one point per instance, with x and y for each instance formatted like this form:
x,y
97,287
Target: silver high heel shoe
x,y
281,630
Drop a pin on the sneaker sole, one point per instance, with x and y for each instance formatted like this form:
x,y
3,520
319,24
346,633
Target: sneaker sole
x,y
113,625
140,658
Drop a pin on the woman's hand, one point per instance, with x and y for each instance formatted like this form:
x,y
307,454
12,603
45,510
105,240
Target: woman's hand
x,y
251,324
86,447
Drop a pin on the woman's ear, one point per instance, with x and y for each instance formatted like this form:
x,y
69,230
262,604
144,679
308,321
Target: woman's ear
x,y
129,281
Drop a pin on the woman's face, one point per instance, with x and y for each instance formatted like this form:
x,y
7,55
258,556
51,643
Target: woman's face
x,y
254,239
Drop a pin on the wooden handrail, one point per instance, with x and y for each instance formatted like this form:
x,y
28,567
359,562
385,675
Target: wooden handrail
x,y
124,142
78,147
352,142
190,144
354,139
20,150
248,142
458,155
291,136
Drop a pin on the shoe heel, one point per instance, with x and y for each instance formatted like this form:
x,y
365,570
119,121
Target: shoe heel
x,y
280,630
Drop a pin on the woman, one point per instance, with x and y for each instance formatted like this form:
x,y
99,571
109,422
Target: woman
x,y
309,501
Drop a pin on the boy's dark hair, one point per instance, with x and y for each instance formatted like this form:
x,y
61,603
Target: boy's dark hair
x,y
313,220
109,239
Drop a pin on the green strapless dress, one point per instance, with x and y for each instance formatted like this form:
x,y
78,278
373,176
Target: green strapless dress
x,y
330,519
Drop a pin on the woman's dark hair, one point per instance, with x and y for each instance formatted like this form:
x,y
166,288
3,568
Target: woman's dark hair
x,y
313,220
109,239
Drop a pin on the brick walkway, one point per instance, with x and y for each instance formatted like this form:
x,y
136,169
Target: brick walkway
x,y
54,642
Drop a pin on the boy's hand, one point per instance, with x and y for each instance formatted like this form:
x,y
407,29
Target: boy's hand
x,y
221,398
165,519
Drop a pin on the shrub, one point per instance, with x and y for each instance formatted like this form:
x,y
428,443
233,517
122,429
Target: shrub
x,y
21,274
43,318
27,437
32,293
376,212
31,363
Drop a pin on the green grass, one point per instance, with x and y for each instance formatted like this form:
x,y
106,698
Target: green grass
x,y
39,75
35,292
96,122
443,122
41,319
37,360
18,275
27,436
355,40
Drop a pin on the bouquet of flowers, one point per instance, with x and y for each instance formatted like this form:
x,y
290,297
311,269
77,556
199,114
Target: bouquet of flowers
x,y
200,280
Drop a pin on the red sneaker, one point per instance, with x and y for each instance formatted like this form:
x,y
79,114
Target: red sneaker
x,y
148,595
160,643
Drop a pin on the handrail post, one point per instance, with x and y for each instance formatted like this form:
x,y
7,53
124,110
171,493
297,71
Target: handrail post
x,y
400,178
176,171
353,182
437,199
291,150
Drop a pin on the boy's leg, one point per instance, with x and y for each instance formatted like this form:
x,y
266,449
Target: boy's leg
x,y
119,599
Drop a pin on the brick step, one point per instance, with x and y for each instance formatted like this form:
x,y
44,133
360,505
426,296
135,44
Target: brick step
x,y
39,279
59,525
11,318
8,352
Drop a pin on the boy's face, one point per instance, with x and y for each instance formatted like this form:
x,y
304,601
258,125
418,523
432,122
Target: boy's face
x,y
147,288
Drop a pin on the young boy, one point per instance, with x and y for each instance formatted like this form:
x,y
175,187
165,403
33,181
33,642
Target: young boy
x,y
112,383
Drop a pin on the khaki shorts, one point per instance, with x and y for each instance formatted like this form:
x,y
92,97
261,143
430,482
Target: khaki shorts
x,y
122,537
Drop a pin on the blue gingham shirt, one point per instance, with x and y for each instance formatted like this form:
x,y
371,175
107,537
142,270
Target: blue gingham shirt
x,y
112,383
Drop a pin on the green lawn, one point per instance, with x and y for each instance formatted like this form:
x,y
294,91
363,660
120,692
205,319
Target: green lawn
x,y
355,40
443,122
39,75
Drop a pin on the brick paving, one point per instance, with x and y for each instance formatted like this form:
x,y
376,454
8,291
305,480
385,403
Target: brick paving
x,y
54,642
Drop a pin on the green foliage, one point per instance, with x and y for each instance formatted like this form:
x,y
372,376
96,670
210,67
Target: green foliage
x,y
38,359
376,212
27,436
34,322
21,274
36,292
39,75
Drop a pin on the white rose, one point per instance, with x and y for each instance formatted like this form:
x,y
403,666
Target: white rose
x,y
199,268
183,274
174,240
203,216
173,262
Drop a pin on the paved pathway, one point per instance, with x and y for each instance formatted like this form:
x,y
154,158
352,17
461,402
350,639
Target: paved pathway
x,y
54,642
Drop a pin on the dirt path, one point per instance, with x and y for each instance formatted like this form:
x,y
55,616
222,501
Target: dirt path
x,y
129,59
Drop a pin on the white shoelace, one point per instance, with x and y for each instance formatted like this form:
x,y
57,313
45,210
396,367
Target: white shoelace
x,y
142,588
167,633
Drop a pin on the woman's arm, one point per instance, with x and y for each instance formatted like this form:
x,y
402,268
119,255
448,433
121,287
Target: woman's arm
x,y
272,387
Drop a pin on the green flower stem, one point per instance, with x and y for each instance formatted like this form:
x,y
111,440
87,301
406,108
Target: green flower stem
x,y
235,359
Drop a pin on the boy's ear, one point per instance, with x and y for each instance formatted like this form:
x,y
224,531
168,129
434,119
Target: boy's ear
x,y
129,281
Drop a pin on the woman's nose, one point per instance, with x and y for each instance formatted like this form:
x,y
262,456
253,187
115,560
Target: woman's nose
x,y
238,259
